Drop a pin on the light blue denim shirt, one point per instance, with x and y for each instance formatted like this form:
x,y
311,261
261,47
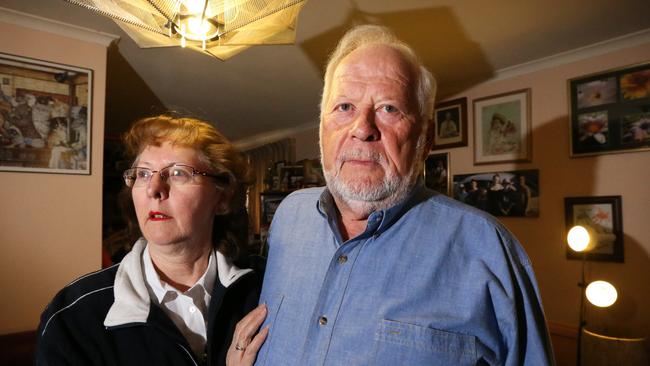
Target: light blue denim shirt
x,y
430,281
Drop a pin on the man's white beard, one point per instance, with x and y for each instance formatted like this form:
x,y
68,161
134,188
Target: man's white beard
x,y
366,197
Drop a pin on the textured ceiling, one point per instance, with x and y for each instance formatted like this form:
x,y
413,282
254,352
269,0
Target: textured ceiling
x,y
270,88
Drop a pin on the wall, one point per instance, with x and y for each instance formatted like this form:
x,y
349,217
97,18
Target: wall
x,y
50,224
625,174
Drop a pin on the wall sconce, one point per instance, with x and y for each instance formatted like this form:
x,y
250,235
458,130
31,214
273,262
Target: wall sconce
x,y
599,293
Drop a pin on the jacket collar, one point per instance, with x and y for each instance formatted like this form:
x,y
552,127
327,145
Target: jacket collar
x,y
132,301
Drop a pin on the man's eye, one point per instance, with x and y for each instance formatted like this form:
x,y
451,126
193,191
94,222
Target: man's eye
x,y
389,108
344,107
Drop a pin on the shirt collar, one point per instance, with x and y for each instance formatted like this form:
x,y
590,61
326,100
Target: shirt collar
x,y
378,221
161,288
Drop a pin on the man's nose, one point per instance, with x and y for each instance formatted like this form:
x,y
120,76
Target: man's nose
x,y
158,187
364,127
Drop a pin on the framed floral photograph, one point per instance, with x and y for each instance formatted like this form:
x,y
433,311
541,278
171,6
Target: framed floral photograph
x,y
601,216
436,173
502,128
45,110
610,111
501,193
450,124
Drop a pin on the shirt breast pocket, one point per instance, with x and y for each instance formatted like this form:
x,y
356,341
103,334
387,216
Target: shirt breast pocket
x,y
400,343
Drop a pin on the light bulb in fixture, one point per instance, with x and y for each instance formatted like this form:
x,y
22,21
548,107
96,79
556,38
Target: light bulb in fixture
x,y
194,6
601,293
578,238
197,27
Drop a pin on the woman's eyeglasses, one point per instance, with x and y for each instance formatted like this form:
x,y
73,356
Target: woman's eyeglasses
x,y
174,175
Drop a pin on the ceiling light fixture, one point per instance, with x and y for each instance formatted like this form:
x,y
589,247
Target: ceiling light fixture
x,y
220,28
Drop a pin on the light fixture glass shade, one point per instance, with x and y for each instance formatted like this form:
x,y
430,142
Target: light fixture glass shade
x,y
220,28
601,293
578,238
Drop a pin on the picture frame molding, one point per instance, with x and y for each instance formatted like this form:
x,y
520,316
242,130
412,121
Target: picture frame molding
x,y
481,199
525,152
617,221
446,156
619,104
39,65
461,103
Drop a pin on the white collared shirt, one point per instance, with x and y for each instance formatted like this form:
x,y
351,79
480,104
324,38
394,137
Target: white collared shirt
x,y
189,309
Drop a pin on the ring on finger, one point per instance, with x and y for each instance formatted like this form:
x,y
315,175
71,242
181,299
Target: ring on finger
x,y
239,348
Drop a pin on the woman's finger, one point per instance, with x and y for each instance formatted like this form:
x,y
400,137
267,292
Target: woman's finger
x,y
246,343
249,325
250,353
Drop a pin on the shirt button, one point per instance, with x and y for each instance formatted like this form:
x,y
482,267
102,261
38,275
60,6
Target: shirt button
x,y
192,309
322,320
343,259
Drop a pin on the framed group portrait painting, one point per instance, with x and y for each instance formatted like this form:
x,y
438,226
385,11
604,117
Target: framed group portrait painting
x,y
502,128
512,193
610,111
450,123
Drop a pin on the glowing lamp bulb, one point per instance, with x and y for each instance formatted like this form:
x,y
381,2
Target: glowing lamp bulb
x,y
195,6
601,293
578,238
198,27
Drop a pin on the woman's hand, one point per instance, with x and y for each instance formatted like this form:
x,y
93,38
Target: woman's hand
x,y
246,341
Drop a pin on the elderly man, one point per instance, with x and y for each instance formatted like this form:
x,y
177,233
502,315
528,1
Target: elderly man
x,y
375,269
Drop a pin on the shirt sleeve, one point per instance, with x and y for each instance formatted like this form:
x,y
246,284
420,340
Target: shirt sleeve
x,y
518,309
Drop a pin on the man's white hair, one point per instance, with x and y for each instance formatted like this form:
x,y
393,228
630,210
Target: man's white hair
x,y
365,35
393,188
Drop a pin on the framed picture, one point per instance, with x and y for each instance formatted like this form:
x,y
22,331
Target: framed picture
x,y
610,111
436,173
45,111
601,216
450,124
269,204
512,193
502,128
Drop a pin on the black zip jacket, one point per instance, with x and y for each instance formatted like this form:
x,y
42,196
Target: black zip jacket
x,y
72,330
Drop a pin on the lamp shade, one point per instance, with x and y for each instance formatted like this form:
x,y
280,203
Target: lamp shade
x,y
578,238
220,28
601,293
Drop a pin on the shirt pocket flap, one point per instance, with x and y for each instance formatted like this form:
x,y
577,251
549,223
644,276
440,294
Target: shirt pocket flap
x,y
426,339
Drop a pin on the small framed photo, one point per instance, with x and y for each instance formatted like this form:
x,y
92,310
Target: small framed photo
x,y
504,193
436,173
601,216
45,111
502,128
610,111
450,124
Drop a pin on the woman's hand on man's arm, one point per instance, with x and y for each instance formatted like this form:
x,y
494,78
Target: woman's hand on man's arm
x,y
247,341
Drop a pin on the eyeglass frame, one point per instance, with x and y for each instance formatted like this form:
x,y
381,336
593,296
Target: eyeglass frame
x,y
195,172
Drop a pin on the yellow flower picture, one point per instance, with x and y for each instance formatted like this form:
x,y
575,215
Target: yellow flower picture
x,y
636,85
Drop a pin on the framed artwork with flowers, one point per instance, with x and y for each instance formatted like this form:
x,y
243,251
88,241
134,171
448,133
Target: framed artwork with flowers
x,y
601,216
610,111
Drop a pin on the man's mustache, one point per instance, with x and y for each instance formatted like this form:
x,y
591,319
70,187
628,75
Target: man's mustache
x,y
358,154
